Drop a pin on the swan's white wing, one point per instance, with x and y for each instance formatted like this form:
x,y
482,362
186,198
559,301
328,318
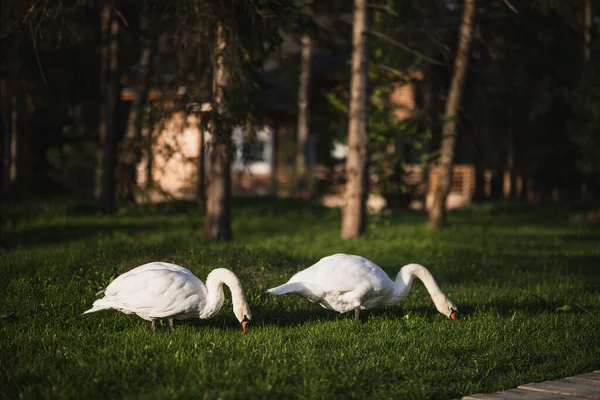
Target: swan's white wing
x,y
156,292
159,265
343,273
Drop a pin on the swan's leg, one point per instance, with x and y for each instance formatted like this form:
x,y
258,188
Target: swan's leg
x,y
357,313
153,326
171,324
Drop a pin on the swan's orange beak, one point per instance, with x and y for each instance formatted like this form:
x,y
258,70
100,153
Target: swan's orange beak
x,y
245,323
454,315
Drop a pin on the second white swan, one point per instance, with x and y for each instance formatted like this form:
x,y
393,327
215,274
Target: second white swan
x,y
162,290
344,282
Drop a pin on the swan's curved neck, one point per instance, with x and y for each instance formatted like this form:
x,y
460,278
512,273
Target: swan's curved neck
x,y
215,297
404,280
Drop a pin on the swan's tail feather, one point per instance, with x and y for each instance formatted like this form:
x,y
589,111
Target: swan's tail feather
x,y
286,288
97,306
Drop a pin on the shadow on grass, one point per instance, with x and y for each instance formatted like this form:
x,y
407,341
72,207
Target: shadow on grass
x,y
52,233
264,317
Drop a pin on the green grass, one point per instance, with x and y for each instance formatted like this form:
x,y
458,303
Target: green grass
x,y
527,284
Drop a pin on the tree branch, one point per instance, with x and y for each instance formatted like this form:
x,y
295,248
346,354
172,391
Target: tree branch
x,y
404,47
394,71
510,6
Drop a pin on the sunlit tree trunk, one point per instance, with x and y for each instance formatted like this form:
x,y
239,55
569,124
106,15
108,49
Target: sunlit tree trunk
x,y
354,212
303,128
437,214
108,132
201,192
217,221
131,145
149,150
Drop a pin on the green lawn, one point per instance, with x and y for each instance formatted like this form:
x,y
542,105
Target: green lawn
x,y
527,284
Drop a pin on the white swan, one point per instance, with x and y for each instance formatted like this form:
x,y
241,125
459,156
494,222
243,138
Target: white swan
x,y
344,282
162,290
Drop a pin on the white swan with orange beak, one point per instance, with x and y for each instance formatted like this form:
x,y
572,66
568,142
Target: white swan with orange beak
x,y
344,282
161,290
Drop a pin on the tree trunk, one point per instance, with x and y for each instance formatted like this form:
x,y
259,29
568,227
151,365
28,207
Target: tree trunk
x,y
510,158
108,133
428,106
6,139
10,147
14,145
217,221
105,18
131,146
587,34
437,214
524,187
354,213
275,158
497,184
478,159
303,113
149,148
201,192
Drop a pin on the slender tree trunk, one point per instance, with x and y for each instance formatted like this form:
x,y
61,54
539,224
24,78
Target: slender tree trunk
x,y
27,146
131,146
10,148
354,213
437,214
587,34
497,184
303,113
201,193
6,138
510,158
109,133
275,159
479,192
524,187
105,19
149,147
217,222
14,145
428,106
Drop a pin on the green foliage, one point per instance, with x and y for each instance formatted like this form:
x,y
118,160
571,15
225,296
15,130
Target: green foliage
x,y
525,281
251,33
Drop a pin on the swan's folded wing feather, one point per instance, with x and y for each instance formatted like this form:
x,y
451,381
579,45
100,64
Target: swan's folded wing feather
x,y
333,273
157,293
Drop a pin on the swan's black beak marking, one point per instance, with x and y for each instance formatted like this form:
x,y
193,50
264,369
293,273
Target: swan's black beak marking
x,y
454,315
245,323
